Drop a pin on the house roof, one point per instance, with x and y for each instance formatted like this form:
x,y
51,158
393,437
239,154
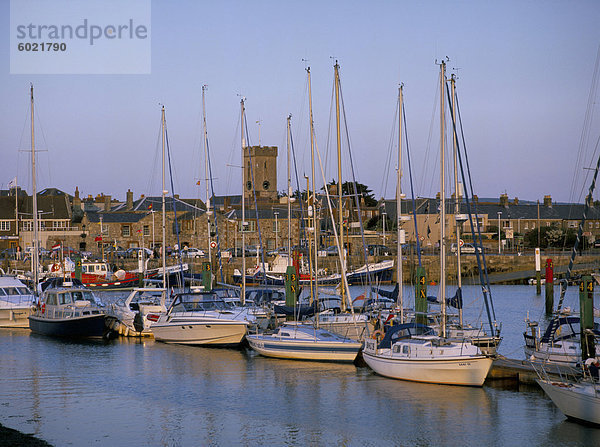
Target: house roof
x,y
51,207
115,217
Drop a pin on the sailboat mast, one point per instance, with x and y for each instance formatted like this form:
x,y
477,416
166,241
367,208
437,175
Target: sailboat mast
x,y
457,196
243,206
36,259
339,155
442,290
164,192
289,188
314,189
206,173
399,208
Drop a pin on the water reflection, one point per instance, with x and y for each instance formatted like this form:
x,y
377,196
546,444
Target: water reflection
x,y
139,392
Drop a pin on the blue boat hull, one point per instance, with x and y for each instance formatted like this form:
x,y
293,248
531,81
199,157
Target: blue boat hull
x,y
79,327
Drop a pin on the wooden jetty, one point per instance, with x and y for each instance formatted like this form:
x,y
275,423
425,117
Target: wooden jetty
x,y
523,371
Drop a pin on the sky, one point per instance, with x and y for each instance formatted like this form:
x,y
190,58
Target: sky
x,y
524,75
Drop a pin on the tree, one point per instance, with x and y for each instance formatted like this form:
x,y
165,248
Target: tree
x,y
361,189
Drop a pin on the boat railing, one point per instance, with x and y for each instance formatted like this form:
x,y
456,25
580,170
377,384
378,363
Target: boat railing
x,y
73,312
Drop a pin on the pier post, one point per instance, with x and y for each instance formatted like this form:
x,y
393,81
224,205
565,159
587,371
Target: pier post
x,y
207,276
421,296
78,273
549,286
538,273
291,286
586,310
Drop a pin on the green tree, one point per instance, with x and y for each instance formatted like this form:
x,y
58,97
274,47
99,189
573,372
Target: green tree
x,y
348,189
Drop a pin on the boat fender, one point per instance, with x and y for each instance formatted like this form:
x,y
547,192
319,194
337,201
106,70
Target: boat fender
x,y
55,267
138,322
44,308
377,334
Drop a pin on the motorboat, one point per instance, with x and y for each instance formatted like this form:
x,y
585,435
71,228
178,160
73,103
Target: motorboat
x,y
578,400
412,351
202,318
134,314
16,302
69,312
302,341
560,342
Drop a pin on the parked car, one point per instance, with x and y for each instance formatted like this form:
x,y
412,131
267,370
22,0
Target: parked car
x,y
378,250
192,253
115,252
466,248
332,250
235,252
278,251
133,252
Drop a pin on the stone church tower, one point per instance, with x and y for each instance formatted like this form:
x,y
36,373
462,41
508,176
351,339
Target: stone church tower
x,y
263,171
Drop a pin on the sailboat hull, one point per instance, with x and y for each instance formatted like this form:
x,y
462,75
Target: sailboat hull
x,y
304,350
579,401
459,371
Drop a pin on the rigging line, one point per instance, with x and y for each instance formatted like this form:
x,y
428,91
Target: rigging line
x,y
214,208
412,192
585,131
479,256
260,244
174,204
302,223
586,206
478,226
357,201
388,162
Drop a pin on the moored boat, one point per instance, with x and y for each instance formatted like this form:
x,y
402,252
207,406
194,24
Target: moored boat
x,y
301,341
201,318
134,314
16,302
69,312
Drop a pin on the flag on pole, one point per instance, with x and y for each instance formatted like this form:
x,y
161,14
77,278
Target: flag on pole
x,y
198,183
56,247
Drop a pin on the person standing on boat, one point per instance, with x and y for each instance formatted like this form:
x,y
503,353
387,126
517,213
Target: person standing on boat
x,y
593,366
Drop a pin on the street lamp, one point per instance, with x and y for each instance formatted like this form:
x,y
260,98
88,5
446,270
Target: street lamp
x,y
384,214
499,247
276,230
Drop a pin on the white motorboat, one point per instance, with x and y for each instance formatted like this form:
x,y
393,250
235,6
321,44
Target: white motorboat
x,y
129,315
301,341
412,352
201,318
560,342
16,302
70,312
577,397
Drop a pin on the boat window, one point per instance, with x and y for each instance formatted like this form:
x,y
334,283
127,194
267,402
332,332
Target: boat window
x,y
87,295
51,299
284,334
84,268
11,291
65,298
103,268
2,292
77,295
405,349
23,290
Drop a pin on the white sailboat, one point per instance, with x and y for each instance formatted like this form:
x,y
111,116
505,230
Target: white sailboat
x,y
430,358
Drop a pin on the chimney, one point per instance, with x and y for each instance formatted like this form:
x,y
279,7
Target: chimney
x,y
475,198
76,199
107,203
504,200
516,201
129,199
548,201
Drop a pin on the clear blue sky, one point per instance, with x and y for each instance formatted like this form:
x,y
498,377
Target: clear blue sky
x,y
525,70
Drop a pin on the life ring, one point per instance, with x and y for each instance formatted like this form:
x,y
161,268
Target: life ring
x,y
377,334
55,267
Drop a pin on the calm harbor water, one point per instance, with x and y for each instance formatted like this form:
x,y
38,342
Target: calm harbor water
x,y
131,392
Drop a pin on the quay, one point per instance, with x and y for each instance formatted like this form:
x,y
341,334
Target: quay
x,y
522,371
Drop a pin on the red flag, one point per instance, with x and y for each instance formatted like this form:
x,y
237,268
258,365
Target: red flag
x,y
98,239
150,206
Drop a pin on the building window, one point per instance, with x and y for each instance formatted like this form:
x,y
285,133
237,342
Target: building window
x,y
27,225
597,224
250,226
125,231
276,225
526,226
4,225
572,224
59,224
533,225
591,225
146,230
